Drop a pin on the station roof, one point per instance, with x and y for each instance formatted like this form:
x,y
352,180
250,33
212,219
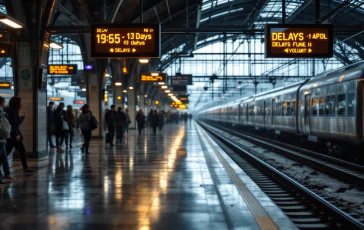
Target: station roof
x,y
182,18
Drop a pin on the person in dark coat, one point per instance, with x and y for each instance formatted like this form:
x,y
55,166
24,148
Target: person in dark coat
x,y
59,130
50,124
16,137
154,121
140,120
120,122
161,120
110,119
150,114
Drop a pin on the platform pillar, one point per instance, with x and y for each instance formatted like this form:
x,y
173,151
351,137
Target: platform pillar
x,y
117,89
132,107
95,101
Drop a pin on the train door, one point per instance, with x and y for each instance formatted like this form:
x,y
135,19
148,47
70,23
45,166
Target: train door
x,y
273,111
306,122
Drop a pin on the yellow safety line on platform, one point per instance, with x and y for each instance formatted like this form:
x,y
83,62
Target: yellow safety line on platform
x,y
261,216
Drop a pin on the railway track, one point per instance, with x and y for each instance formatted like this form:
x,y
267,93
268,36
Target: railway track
x,y
340,169
306,209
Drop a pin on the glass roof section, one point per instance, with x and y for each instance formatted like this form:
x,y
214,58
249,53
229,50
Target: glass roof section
x,y
272,12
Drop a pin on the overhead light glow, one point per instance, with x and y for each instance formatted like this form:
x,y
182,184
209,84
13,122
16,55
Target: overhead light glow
x,y
83,89
164,87
160,83
107,75
143,60
167,91
145,95
10,21
55,45
131,87
118,83
154,74
170,94
124,91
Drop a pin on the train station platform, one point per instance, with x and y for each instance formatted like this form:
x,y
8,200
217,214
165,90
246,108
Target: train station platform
x,y
180,179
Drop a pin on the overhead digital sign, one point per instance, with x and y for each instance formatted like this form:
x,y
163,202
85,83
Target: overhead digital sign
x,y
298,41
60,69
181,80
125,40
5,85
79,102
152,77
55,99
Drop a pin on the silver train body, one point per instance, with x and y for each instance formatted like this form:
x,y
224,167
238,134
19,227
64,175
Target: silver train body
x,y
327,107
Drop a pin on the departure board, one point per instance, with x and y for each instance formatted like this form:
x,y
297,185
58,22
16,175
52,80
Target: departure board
x,y
60,69
298,41
125,40
179,80
5,85
152,77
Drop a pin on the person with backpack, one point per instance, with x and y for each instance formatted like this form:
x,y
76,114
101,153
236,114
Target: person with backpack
x,y
5,129
86,121
16,137
60,126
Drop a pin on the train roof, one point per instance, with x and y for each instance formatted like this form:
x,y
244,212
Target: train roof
x,y
346,73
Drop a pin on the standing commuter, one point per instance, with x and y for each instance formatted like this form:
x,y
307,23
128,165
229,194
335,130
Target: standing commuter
x,y
50,124
71,120
60,126
85,120
127,120
140,120
160,121
5,129
16,137
120,123
110,119
154,121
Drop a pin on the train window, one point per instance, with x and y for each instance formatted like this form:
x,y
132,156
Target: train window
x,y
284,109
315,106
341,104
293,108
279,109
330,106
288,109
322,107
351,104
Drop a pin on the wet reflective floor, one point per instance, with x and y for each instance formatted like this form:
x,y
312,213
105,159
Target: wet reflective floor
x,y
146,182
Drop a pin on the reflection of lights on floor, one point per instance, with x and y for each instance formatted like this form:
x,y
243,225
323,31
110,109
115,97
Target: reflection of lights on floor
x,y
131,163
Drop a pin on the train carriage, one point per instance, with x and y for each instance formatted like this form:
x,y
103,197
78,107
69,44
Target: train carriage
x,y
327,108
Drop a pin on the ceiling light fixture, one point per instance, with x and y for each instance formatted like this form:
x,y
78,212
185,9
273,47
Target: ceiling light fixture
x,y
9,21
55,45
143,60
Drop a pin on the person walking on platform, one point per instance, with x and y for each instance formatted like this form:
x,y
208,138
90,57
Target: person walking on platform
x,y
127,120
140,120
154,121
149,118
16,137
71,120
50,124
60,126
85,120
110,119
161,117
5,129
120,123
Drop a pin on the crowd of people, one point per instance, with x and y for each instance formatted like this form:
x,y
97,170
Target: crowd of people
x,y
63,122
